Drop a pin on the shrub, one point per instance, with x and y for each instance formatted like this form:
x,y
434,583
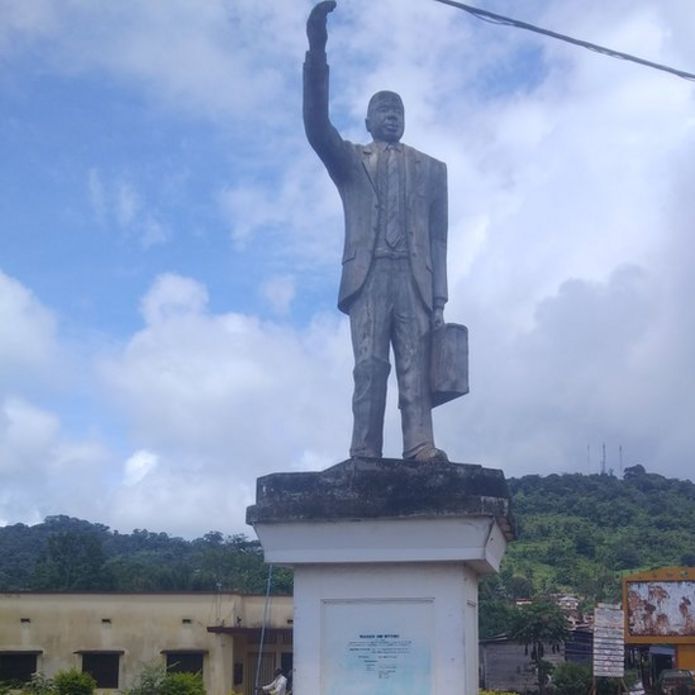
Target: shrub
x,y
39,685
156,680
182,684
68,682
73,682
149,681
572,679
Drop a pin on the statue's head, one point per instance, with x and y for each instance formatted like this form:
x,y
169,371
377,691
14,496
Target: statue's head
x,y
386,117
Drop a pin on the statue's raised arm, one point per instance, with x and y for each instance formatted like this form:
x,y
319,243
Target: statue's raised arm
x,y
316,25
322,136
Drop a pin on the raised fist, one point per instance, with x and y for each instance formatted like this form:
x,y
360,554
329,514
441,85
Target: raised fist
x,y
316,24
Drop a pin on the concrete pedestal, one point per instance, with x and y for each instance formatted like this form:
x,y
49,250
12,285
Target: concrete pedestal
x,y
387,555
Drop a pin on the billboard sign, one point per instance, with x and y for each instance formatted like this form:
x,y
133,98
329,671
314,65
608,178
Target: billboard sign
x,y
660,608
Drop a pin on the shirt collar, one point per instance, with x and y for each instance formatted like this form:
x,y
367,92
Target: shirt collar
x,y
382,146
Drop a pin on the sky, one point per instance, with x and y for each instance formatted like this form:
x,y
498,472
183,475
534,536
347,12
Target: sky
x,y
170,245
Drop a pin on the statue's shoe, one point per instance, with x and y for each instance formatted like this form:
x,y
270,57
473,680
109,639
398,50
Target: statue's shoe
x,y
365,454
431,454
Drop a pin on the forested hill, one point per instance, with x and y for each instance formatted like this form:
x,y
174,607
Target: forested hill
x,y
66,554
577,534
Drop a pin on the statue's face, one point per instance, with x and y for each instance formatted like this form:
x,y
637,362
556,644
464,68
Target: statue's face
x,y
385,117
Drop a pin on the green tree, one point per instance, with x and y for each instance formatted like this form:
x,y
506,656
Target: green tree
x,y
72,561
537,626
495,617
519,587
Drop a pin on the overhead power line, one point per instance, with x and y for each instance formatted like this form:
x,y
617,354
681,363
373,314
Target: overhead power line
x,y
508,21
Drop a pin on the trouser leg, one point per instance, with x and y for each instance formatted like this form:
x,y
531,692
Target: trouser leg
x,y
414,402
368,406
369,328
411,344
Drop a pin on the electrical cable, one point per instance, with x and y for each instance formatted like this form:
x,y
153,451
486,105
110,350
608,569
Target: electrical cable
x,y
508,21
266,612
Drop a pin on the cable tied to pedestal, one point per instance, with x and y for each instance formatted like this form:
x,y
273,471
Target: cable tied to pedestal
x,y
266,612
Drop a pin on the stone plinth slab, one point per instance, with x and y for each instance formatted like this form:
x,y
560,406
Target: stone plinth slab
x,y
383,488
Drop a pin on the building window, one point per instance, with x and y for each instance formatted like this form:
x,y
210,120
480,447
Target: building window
x,y
17,667
238,674
185,662
103,667
287,666
286,662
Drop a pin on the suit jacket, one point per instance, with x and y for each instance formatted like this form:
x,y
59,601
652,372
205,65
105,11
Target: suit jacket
x,y
353,169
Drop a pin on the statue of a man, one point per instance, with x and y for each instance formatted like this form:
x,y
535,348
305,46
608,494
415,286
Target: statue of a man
x,y
393,283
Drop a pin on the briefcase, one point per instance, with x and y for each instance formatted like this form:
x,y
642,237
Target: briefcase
x,y
449,368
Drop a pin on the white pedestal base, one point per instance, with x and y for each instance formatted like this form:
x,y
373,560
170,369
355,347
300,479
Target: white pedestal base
x,y
387,556
386,629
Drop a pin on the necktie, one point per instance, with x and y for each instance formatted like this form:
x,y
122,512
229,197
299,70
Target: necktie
x,y
393,228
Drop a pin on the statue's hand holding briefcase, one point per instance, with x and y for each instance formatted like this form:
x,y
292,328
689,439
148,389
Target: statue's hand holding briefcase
x,y
449,368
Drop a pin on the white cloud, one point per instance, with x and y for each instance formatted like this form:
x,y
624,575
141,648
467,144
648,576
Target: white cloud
x,y
97,194
249,207
224,398
118,201
153,232
182,503
201,383
279,291
28,339
25,435
27,19
199,58
299,217
43,471
173,296
127,203
138,466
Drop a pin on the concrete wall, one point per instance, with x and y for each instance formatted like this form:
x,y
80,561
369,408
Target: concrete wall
x,y
141,626
505,665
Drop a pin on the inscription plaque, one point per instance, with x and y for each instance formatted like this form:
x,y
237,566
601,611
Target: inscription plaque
x,y
376,646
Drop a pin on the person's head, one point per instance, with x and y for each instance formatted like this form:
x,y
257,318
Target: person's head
x,y
386,117
278,672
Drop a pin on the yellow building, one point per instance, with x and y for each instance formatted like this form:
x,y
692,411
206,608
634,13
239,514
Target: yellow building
x,y
113,635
